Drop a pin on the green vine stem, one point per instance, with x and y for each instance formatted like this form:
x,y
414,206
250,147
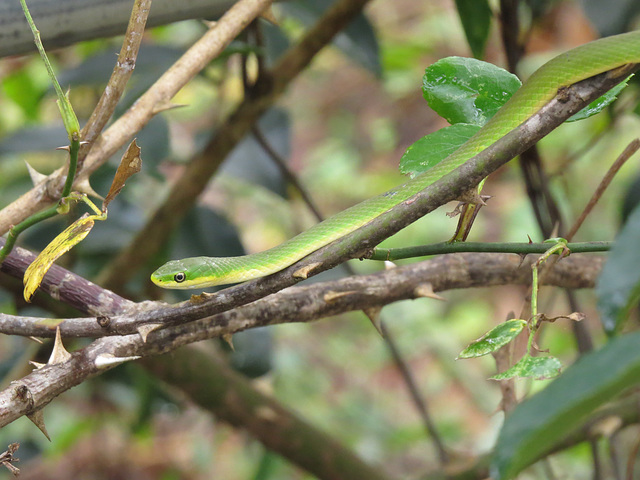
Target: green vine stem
x,y
514,247
66,110
561,248
74,148
73,131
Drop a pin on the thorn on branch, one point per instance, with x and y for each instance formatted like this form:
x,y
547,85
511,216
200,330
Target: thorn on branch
x,y
37,418
105,360
59,354
303,272
145,329
373,313
426,290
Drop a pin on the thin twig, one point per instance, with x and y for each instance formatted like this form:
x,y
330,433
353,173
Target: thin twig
x,y
119,77
414,392
286,172
632,148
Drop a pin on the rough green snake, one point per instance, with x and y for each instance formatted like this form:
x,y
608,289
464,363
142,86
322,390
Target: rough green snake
x,y
562,71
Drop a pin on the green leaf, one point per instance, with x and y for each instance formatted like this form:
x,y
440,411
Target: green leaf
x,y
600,103
538,424
618,287
538,368
435,147
494,339
466,90
475,16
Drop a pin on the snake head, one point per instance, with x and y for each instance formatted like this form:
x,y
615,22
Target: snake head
x,y
196,272
179,274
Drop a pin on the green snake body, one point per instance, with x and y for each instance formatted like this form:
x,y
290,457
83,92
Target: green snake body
x,y
562,71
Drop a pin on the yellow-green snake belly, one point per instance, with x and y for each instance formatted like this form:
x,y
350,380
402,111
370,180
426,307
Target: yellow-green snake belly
x,y
564,70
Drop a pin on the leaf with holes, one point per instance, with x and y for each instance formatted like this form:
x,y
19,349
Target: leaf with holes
x,y
494,339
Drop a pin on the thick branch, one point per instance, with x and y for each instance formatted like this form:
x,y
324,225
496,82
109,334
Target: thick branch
x,y
309,303
67,287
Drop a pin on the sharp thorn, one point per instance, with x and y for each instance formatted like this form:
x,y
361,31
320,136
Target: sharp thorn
x,y
228,337
145,329
269,16
59,354
37,418
36,177
105,360
331,296
82,185
373,313
164,106
426,290
303,273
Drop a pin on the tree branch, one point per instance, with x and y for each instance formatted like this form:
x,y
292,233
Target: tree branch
x,y
319,300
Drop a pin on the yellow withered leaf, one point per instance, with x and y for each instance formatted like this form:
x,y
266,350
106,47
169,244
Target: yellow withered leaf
x,y
71,236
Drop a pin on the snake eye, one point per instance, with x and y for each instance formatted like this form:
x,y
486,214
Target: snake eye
x,y
180,277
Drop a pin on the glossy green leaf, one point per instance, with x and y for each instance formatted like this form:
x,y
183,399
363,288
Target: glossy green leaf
x,y
494,339
475,16
600,103
537,368
435,147
532,430
618,287
466,90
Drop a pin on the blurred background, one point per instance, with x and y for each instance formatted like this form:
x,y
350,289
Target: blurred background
x,y
341,128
